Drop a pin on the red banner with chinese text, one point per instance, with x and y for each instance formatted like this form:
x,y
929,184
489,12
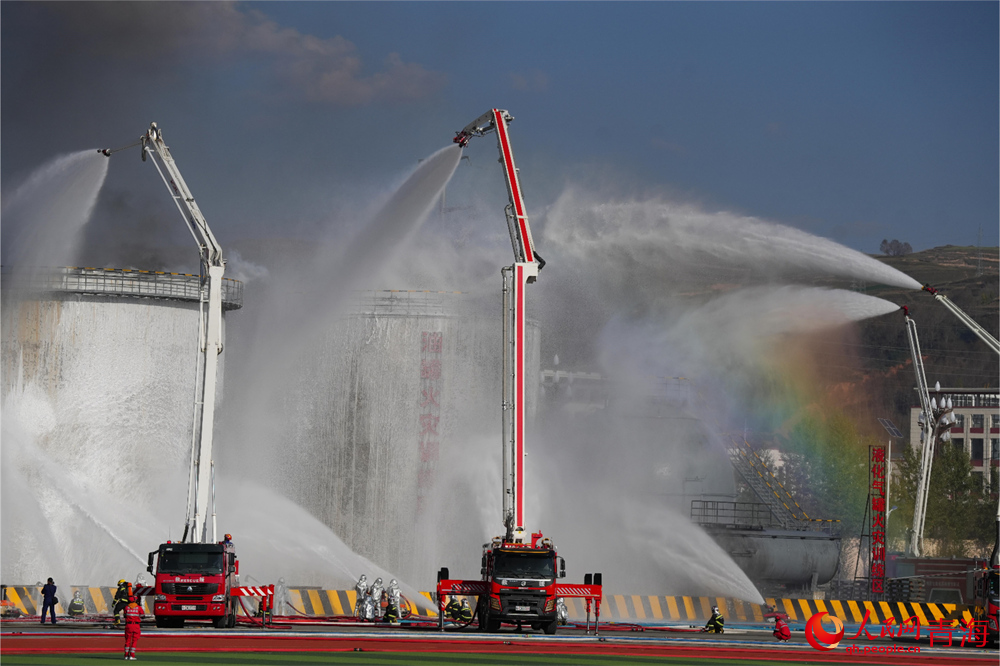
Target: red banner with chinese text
x,y
877,512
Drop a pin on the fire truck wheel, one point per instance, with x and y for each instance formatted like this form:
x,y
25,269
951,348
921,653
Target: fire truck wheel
x,y
550,628
492,624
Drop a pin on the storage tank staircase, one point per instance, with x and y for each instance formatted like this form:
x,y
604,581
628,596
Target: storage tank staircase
x,y
784,509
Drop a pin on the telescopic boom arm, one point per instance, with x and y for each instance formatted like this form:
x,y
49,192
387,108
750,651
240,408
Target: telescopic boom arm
x,y
524,271
983,334
496,120
200,482
993,344
929,427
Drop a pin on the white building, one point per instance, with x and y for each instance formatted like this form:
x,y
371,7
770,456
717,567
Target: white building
x,y
976,429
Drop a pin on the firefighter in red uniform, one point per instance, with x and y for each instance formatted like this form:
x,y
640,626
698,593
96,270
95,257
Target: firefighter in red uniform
x,y
133,615
781,630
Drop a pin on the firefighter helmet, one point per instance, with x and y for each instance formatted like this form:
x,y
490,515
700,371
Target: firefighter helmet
x,y
122,582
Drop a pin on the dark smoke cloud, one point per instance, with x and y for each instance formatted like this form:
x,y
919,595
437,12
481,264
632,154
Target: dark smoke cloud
x,y
129,231
155,37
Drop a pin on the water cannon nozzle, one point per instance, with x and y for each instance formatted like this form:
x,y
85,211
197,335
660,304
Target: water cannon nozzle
x,y
105,151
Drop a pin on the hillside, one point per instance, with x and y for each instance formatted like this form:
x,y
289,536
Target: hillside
x,y
953,355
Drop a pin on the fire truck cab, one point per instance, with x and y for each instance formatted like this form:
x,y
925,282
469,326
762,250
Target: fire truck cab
x,y
521,580
194,581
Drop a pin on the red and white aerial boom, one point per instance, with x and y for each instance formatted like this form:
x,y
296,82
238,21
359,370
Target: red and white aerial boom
x,y
519,571
524,271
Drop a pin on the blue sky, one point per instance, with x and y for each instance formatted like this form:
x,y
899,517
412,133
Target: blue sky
x,y
852,120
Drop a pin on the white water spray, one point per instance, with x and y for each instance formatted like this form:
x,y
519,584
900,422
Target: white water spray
x,y
80,501
726,333
46,214
677,244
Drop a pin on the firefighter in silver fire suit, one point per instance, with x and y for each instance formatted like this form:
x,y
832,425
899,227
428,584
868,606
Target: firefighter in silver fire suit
x,y
375,594
281,600
562,613
360,592
375,591
393,596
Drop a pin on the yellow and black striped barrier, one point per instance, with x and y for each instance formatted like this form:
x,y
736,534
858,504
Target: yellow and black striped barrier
x,y
317,602
640,608
99,600
300,601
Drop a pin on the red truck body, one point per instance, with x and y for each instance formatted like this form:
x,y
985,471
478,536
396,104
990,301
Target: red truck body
x,y
521,584
194,581
986,601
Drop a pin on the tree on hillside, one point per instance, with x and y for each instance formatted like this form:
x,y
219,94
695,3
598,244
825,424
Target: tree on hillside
x,y
959,508
894,248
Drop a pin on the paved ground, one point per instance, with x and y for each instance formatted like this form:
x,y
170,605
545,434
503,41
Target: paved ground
x,y
28,642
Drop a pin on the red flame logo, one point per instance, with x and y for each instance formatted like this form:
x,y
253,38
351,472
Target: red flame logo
x,y
819,637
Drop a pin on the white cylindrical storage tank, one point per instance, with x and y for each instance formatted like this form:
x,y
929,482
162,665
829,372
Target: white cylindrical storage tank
x,y
99,370
397,394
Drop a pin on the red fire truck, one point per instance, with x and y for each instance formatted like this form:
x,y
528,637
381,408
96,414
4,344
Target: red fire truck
x,y
521,580
194,581
519,573
196,578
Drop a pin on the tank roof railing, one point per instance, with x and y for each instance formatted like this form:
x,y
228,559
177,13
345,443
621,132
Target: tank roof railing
x,y
120,282
414,302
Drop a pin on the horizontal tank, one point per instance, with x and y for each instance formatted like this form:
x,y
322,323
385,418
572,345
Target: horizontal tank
x,y
787,557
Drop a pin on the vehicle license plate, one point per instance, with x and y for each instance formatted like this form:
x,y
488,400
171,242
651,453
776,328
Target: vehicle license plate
x,y
522,608
187,608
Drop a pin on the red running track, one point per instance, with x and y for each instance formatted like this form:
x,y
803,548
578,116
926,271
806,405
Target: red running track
x,y
50,643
